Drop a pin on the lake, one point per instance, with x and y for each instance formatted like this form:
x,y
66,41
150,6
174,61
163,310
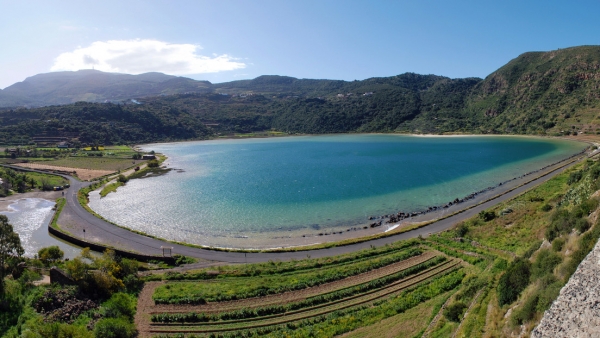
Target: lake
x,y
261,190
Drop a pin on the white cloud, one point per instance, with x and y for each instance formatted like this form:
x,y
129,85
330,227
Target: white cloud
x,y
142,56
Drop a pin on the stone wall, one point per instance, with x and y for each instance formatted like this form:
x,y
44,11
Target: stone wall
x,y
576,311
60,277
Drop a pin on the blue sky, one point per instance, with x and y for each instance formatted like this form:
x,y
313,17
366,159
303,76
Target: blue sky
x,y
224,40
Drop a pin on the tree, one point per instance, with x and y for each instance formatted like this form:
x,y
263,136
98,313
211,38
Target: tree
x,y
455,311
513,281
10,246
50,254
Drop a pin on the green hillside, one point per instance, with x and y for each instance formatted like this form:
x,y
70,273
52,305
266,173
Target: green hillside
x,y
536,93
93,86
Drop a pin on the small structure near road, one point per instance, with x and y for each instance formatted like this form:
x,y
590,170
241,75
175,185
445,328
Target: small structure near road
x,y
148,157
167,251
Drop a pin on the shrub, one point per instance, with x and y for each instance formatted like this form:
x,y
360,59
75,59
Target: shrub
x,y
462,230
562,221
586,207
551,288
119,305
527,311
546,207
558,244
487,215
455,311
574,177
545,262
582,225
181,259
114,328
122,179
532,248
586,244
153,164
59,330
50,254
513,281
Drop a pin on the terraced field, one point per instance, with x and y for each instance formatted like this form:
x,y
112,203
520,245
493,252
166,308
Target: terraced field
x,y
396,274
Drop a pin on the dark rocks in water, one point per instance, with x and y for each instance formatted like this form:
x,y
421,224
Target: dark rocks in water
x,y
375,224
315,226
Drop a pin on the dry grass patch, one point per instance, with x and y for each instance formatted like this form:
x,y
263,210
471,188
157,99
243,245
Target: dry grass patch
x,y
84,174
95,163
406,324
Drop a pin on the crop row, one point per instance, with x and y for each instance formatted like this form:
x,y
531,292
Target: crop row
x,y
368,297
309,302
305,326
298,295
272,268
199,293
454,253
461,245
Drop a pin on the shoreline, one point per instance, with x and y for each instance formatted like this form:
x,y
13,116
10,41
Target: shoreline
x,y
34,239
5,202
74,218
374,226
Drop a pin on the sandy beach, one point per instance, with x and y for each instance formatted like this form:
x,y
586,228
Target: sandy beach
x,y
8,200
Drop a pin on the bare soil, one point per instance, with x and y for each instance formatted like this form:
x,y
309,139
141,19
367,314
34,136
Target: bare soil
x,y
84,174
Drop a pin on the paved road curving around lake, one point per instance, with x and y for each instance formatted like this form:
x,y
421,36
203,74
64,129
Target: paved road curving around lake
x,y
75,219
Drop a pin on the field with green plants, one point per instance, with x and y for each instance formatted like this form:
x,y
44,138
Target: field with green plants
x,y
22,181
515,256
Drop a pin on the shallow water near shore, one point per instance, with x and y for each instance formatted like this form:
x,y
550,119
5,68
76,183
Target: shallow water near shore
x,y
30,218
267,189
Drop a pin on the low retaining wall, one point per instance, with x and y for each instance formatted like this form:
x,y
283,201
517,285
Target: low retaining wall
x,y
102,248
60,277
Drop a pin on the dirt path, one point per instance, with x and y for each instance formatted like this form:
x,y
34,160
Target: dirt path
x,y
144,303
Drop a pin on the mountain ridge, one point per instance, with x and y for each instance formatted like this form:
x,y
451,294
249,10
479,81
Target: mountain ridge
x,y
541,93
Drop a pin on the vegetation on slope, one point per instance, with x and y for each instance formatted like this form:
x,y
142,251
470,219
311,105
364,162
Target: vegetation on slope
x,y
536,93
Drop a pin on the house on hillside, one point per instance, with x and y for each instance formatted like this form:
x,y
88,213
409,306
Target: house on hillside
x,y
148,157
62,145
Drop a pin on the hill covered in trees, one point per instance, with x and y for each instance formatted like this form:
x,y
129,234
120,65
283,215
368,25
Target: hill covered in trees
x,y
553,92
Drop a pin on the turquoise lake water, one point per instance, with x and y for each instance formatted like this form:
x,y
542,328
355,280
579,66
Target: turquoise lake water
x,y
238,188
